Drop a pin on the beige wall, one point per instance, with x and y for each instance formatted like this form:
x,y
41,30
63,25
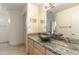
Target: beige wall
x,y
64,20
75,22
32,13
42,17
35,12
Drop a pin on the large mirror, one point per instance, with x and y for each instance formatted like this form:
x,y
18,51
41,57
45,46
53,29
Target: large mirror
x,y
50,21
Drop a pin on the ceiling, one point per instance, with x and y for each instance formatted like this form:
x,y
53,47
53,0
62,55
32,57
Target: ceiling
x,y
20,6
62,6
59,6
13,6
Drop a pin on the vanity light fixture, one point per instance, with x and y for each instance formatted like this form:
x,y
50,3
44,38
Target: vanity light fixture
x,y
49,5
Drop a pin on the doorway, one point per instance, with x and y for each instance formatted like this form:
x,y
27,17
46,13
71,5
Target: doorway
x,y
24,23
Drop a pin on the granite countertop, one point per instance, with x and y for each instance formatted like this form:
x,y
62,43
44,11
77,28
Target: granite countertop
x,y
57,46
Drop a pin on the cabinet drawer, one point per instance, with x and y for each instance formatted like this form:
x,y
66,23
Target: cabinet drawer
x,y
49,52
31,52
30,41
37,52
31,49
30,46
39,47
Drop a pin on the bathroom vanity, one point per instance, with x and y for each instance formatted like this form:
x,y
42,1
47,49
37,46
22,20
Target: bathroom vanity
x,y
54,47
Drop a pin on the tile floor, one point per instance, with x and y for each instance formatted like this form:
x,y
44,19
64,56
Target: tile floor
x,y
6,49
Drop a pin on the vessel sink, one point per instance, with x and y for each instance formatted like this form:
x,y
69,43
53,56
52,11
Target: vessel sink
x,y
44,37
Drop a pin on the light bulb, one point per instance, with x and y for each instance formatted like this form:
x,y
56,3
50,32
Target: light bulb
x,y
9,21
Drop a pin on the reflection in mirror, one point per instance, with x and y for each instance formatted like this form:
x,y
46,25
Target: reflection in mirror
x,y
50,22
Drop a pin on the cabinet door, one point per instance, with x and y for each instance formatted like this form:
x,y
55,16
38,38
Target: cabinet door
x,y
30,45
49,52
37,52
40,48
31,50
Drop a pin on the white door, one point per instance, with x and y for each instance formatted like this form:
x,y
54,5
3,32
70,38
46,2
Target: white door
x,y
75,25
4,28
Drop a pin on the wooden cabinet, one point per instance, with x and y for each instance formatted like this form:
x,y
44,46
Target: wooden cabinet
x,y
49,52
30,45
37,52
38,49
35,48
